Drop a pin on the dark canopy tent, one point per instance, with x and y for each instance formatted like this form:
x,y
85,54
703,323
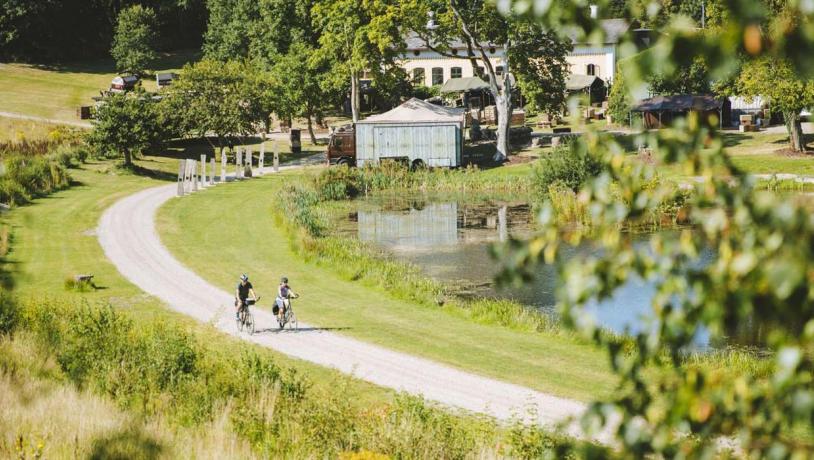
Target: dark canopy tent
x,y
660,111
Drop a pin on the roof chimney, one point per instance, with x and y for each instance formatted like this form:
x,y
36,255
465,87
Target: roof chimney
x,y
594,11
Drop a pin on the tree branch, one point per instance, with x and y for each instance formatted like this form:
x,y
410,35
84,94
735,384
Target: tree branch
x,y
474,44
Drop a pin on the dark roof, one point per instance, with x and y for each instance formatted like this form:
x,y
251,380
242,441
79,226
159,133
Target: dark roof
x,y
457,85
130,78
166,76
580,82
614,29
679,103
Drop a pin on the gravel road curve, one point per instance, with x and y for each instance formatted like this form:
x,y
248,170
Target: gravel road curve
x,y
128,236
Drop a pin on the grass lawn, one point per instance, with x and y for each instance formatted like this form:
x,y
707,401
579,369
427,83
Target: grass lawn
x,y
201,231
53,238
56,91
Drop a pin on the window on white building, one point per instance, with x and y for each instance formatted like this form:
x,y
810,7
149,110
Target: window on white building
x,y
437,76
456,72
592,69
418,76
499,70
478,71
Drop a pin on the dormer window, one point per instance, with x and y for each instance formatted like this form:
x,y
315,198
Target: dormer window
x,y
416,53
492,50
455,52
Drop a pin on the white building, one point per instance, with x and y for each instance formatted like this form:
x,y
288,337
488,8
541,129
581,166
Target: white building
x,y
430,68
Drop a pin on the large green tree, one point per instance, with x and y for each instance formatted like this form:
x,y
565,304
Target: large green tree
x,y
788,92
359,37
212,98
478,25
126,125
297,78
134,42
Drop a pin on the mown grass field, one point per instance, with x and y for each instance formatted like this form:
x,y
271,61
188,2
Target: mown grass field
x,y
202,228
53,239
55,91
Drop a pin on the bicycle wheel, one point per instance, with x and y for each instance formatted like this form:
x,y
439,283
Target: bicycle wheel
x,y
292,321
239,321
249,323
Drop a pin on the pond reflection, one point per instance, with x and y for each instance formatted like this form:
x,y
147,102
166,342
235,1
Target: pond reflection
x,y
449,240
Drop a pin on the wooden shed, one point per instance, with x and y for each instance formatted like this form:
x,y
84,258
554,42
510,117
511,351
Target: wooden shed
x,y
124,83
165,79
415,131
590,85
660,111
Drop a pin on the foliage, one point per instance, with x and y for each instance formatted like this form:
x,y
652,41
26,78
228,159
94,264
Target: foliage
x,y
62,31
785,89
762,252
298,85
9,313
342,182
537,59
359,36
540,55
158,369
127,125
620,101
213,97
567,164
26,177
134,41
689,80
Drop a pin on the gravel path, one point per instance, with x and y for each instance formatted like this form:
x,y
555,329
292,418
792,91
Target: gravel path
x,y
127,234
20,116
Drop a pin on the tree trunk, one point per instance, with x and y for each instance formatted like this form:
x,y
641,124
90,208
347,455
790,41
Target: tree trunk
x,y
354,95
128,158
795,129
311,130
503,121
503,103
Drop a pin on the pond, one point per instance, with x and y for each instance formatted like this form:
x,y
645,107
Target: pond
x,y
449,239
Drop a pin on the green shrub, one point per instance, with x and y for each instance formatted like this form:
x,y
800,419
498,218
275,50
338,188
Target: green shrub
x,y
24,178
72,284
568,164
9,313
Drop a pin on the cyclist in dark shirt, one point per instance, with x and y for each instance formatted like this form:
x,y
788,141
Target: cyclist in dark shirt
x,y
244,291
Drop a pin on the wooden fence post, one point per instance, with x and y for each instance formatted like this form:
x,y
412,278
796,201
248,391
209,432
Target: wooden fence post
x,y
193,171
276,158
239,163
212,171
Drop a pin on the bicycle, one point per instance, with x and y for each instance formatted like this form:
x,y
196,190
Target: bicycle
x,y
245,318
288,317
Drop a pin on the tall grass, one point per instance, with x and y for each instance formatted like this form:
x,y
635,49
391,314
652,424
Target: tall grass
x,y
24,177
358,261
339,183
189,383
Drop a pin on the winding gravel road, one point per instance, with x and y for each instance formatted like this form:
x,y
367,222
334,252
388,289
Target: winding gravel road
x,y
128,235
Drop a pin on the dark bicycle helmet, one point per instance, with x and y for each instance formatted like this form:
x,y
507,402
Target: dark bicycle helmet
x,y
284,280
244,277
